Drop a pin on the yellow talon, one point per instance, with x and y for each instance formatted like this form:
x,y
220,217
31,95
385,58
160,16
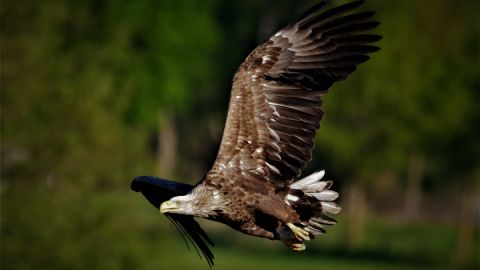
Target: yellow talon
x,y
298,247
300,233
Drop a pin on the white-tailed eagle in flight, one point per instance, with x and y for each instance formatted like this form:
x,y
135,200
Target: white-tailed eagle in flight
x,y
274,112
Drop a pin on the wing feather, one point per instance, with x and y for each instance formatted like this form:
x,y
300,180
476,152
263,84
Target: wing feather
x,y
276,99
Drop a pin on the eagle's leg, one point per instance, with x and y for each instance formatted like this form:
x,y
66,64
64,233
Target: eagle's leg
x,y
255,230
290,239
300,233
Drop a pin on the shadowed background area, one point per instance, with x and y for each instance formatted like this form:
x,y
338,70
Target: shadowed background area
x,y
94,93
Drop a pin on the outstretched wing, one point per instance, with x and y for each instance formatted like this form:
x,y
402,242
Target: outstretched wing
x,y
275,104
156,191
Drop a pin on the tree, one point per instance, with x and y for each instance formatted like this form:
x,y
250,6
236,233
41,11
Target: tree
x,y
405,110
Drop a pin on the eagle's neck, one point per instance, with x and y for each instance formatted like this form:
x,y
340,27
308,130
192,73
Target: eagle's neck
x,y
203,201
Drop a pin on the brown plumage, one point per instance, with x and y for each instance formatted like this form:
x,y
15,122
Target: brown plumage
x,y
274,112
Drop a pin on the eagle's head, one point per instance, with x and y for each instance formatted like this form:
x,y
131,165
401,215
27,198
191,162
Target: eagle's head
x,y
201,202
178,205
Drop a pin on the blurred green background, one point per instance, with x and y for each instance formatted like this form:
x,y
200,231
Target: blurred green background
x,y
95,92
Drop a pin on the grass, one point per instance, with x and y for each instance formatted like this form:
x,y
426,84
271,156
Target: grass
x,y
385,247
232,259
106,233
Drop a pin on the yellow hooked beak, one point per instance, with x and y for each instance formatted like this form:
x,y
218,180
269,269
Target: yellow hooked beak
x,y
167,206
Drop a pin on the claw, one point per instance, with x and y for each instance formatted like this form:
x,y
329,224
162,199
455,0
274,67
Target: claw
x,y
298,247
300,233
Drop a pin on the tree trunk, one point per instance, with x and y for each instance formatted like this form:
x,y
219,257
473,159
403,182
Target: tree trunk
x,y
465,226
167,146
357,207
413,192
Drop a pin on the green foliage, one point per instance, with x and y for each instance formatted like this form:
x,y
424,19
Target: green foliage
x,y
416,96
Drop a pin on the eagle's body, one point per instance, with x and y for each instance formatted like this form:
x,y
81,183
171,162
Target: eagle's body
x,y
274,112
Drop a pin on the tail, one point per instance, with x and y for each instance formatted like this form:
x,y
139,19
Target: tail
x,y
313,200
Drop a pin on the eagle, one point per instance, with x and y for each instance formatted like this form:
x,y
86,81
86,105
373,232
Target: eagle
x,y
274,112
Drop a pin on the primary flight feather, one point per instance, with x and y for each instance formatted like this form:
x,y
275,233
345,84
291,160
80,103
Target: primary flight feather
x,y
275,109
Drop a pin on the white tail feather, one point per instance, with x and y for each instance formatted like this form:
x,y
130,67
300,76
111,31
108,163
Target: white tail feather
x,y
322,220
317,187
305,182
326,195
331,207
312,186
